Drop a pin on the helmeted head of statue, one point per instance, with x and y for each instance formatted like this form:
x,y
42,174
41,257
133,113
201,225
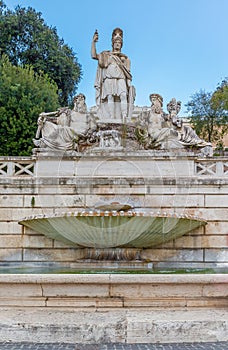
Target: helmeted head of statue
x,y
154,97
117,36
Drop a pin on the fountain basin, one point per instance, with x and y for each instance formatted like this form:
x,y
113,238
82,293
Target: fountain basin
x,y
109,229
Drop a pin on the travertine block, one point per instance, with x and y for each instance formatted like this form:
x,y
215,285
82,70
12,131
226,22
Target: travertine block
x,y
133,167
175,200
115,190
188,242
23,302
217,227
67,189
134,200
85,302
63,326
69,254
154,302
13,214
155,291
215,241
172,254
11,241
54,200
18,190
10,228
215,214
180,188
218,255
9,201
216,290
77,290
7,254
55,167
36,242
178,326
202,242
208,302
20,290
217,200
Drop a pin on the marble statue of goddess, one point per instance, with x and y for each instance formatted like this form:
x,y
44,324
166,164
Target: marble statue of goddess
x,y
113,78
159,135
186,135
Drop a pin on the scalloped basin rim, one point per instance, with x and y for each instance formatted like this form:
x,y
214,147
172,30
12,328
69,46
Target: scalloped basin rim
x,y
126,213
110,229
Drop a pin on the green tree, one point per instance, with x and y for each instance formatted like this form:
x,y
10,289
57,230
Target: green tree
x,y
26,39
220,98
23,95
207,116
220,102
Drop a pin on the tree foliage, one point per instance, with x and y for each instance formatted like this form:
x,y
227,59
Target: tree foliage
x,y
26,39
220,98
209,113
23,95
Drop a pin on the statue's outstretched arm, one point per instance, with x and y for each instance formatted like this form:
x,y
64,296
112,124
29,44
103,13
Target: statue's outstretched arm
x,y
93,46
44,114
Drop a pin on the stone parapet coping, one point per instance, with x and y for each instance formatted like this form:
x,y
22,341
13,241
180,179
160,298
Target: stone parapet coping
x,y
118,181
114,278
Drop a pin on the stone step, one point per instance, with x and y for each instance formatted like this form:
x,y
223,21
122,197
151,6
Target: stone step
x,y
39,325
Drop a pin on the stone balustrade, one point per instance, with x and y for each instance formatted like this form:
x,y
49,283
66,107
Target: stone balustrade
x,y
26,166
16,166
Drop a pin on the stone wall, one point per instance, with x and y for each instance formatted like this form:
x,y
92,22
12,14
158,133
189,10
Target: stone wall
x,y
165,183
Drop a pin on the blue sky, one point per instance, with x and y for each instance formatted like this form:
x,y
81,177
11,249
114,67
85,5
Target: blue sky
x,y
176,47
